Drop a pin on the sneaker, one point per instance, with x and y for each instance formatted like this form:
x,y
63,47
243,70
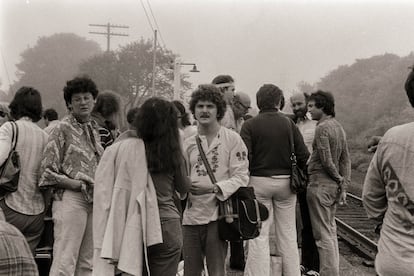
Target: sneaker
x,y
312,273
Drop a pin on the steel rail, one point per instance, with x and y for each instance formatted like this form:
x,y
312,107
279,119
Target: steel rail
x,y
362,243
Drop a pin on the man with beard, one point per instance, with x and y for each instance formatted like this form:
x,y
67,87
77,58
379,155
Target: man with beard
x,y
310,257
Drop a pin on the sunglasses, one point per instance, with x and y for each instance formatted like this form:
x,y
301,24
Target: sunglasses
x,y
2,114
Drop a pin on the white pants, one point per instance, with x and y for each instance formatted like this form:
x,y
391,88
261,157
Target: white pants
x,y
73,245
275,193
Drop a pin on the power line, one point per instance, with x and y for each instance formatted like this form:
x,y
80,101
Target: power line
x,y
149,20
156,23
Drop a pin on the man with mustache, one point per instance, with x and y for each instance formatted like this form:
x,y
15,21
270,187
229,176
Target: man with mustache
x,y
310,256
227,155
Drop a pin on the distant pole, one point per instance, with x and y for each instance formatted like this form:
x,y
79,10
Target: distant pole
x,y
154,63
177,79
108,32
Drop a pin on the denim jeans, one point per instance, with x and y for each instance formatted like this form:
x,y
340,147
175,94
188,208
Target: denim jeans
x,y
276,195
73,246
163,258
322,194
203,241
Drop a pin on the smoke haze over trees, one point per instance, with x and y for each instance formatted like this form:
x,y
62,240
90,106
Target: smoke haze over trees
x,y
128,72
50,63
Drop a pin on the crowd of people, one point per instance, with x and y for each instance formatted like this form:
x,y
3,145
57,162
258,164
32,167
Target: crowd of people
x,y
141,201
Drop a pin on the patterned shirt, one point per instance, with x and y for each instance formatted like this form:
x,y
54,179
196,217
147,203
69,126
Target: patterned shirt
x,y
330,155
16,258
227,155
388,194
30,145
73,151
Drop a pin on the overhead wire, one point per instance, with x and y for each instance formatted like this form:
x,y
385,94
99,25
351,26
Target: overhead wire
x,y
146,13
156,23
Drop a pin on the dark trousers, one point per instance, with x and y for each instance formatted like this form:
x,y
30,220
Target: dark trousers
x,y
310,256
237,259
30,226
163,258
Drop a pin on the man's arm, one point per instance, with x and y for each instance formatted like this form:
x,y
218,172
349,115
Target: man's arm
x,y
238,169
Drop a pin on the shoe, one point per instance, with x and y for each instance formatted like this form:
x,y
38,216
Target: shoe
x,y
312,273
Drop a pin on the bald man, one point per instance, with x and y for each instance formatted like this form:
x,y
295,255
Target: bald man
x,y
307,126
241,106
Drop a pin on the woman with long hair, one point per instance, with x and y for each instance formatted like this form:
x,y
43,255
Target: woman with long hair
x,y
156,153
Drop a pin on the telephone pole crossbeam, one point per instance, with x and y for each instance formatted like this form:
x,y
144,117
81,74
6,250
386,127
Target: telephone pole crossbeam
x,y
108,32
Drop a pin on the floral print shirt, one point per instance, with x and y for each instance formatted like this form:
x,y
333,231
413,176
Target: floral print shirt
x,y
227,155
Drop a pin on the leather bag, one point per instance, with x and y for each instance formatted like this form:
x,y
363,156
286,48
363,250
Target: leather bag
x,y
298,178
240,216
10,169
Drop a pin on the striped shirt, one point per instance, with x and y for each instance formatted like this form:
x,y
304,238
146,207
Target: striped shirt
x,y
30,145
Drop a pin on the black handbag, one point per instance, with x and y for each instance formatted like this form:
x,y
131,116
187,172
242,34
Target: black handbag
x,y
240,216
10,169
298,178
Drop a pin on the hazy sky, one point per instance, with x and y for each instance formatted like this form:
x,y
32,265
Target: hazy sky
x,y
280,42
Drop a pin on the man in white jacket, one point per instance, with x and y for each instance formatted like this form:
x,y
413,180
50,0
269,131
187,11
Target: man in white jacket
x,y
227,156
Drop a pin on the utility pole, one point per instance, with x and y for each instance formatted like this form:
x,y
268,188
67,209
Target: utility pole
x,y
108,32
154,63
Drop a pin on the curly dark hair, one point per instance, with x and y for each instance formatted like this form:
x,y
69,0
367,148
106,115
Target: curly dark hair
x,y
324,100
269,96
107,103
26,102
77,85
156,123
210,93
183,116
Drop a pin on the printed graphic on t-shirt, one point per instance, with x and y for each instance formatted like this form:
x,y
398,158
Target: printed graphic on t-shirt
x,y
397,195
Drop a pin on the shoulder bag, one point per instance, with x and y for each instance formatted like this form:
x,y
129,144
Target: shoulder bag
x,y
240,216
10,169
298,178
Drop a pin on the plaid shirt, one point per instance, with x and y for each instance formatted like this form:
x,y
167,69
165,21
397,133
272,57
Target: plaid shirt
x,y
16,258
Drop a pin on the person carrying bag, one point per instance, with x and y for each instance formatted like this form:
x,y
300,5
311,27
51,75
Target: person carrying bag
x,y
10,169
240,216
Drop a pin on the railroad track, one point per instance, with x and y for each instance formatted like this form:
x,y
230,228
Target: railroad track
x,y
355,228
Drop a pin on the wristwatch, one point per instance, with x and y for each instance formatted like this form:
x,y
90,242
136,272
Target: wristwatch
x,y
216,189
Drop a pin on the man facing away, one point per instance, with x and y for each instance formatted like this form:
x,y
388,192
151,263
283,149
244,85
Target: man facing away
x,y
50,118
388,195
329,172
227,156
306,126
